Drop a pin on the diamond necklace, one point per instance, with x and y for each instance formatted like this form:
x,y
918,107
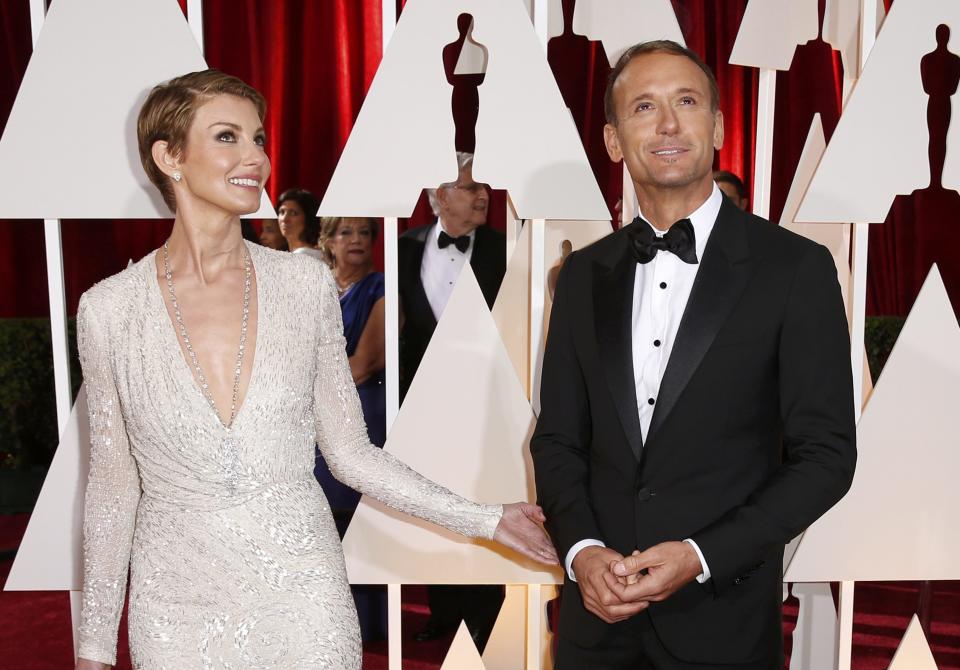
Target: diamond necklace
x,y
204,387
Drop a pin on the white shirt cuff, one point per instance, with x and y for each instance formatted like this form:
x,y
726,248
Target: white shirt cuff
x,y
575,549
705,575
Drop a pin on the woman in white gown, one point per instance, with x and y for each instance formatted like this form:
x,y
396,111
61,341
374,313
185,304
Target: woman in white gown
x,y
211,367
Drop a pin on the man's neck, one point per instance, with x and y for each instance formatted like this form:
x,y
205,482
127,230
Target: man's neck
x,y
663,207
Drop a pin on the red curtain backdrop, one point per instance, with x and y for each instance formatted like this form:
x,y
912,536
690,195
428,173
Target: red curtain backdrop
x,y
315,60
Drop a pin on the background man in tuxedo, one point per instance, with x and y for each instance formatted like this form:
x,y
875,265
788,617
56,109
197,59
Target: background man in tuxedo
x,y
697,403
430,259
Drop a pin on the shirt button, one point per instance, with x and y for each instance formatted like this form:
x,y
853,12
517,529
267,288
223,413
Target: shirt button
x,y
644,494
656,343
650,401
663,284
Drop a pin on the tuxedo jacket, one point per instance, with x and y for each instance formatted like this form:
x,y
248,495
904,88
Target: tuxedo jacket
x,y
752,437
488,261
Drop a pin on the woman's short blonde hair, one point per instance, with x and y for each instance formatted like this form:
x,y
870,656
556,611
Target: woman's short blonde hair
x,y
328,228
169,109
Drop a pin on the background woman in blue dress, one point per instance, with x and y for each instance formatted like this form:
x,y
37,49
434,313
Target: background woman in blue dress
x,y
348,245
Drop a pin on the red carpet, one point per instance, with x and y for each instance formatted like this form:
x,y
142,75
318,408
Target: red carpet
x,y
36,635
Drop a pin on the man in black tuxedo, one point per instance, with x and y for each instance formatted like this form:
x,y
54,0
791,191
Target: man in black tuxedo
x,y
430,259
696,399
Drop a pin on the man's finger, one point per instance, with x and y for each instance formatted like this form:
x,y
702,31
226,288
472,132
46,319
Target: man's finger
x,y
631,565
647,587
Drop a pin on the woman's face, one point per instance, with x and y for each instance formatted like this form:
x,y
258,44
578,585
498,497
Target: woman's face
x,y
292,221
224,163
270,235
352,243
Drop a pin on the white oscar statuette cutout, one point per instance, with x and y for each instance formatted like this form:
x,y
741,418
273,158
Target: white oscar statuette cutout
x,y
98,60
865,165
771,31
526,142
898,521
620,24
914,650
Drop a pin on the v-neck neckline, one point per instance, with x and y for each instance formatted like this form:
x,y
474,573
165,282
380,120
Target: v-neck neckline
x,y
176,348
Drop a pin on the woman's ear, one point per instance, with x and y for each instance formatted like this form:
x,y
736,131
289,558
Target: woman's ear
x,y
167,162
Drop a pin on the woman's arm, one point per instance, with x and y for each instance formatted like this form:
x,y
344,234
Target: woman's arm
x,y
342,436
113,493
369,355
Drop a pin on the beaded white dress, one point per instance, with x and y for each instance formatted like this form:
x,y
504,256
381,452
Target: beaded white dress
x,y
233,555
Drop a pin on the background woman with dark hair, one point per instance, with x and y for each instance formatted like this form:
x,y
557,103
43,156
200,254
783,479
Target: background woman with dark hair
x,y
348,244
297,214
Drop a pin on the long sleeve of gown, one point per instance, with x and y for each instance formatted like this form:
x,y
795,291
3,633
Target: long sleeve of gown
x,y
342,436
113,492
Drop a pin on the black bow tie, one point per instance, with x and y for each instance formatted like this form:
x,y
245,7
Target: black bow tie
x,y
680,240
462,243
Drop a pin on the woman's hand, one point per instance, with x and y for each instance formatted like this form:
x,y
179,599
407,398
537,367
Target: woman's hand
x,y
84,664
520,529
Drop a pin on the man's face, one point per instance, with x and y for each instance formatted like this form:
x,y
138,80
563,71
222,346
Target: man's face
x,y
463,204
666,132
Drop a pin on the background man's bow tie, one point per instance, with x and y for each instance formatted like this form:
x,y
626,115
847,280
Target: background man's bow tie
x,y
462,243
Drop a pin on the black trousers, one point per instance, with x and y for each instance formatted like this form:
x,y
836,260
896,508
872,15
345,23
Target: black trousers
x,y
636,647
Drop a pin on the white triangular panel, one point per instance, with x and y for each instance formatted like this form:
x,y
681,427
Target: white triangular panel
x,y
834,236
49,557
914,650
620,24
772,30
841,30
866,165
526,140
463,654
580,234
898,521
98,59
506,648
511,310
815,635
465,423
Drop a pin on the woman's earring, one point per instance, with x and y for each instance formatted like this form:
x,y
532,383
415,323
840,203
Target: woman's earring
x,y
177,176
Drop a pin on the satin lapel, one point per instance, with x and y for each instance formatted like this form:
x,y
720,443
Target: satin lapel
x,y
720,281
613,309
419,302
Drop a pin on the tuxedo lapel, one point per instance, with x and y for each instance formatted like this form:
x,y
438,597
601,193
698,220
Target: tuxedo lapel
x,y
720,281
613,310
416,294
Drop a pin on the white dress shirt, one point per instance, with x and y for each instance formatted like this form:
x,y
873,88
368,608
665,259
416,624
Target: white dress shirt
x,y
441,267
661,289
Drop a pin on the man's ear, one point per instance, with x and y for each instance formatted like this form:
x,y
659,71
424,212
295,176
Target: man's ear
x,y
718,130
442,195
612,142
164,160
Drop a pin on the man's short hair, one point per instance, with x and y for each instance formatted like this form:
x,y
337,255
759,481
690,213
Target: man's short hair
x,y
730,178
652,47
